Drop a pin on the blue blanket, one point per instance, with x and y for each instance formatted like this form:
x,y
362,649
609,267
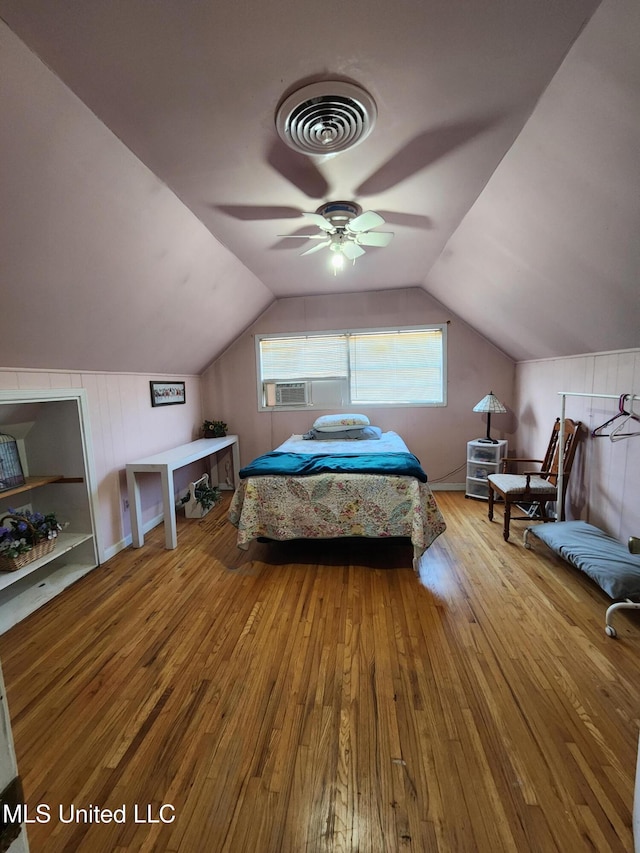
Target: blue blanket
x,y
298,464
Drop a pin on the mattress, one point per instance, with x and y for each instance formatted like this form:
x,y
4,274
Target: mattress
x,y
604,559
389,442
331,505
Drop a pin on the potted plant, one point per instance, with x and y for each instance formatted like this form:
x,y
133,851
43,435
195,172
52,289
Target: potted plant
x,y
200,498
214,429
26,536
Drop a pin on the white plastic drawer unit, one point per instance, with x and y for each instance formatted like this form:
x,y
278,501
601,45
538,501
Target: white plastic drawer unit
x,y
483,458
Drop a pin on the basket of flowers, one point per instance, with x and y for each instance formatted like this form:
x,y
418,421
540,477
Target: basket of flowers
x,y
25,537
200,498
214,429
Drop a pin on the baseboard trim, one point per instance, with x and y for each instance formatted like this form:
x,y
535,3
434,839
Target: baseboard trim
x,y
124,543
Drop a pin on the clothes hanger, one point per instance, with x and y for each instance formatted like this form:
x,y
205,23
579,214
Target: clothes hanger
x,y
617,433
622,412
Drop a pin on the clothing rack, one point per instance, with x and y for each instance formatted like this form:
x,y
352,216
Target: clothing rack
x,y
628,604
564,395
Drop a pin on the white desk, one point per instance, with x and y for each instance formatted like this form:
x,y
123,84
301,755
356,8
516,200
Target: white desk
x,y
165,464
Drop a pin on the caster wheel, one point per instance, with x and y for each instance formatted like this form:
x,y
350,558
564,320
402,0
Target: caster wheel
x,y
611,631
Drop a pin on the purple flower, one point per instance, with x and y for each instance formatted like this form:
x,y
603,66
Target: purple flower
x,y
26,529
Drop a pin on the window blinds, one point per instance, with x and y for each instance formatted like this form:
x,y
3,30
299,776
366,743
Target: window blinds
x,y
396,367
310,357
385,366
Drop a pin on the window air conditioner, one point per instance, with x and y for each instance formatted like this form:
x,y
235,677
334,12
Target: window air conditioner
x,y
291,393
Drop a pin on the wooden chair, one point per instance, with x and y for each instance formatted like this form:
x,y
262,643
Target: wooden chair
x,y
536,489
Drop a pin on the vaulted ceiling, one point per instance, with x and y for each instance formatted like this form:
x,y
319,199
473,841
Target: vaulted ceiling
x,y
145,187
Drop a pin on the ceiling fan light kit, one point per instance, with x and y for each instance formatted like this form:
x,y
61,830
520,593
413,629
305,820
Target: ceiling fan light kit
x,y
326,118
345,229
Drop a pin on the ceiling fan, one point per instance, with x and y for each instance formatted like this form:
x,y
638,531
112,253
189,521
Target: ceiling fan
x,y
345,229
329,117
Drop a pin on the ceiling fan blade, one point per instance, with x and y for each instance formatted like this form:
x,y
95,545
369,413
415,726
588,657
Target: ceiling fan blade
x,y
423,150
303,236
374,238
410,220
368,219
320,221
248,213
298,169
351,250
316,248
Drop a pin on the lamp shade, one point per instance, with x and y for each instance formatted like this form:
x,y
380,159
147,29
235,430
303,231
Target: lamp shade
x,y
489,405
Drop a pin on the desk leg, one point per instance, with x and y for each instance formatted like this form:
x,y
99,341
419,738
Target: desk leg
x,y
213,469
135,510
235,451
168,501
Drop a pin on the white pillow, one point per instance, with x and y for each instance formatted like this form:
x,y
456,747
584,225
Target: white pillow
x,y
335,423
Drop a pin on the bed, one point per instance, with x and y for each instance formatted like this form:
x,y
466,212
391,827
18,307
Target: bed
x,y
339,488
605,560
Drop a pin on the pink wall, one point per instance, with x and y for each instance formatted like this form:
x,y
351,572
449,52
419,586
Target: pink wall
x,y
437,436
604,488
124,427
103,262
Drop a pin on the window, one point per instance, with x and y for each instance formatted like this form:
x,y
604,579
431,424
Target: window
x,y
284,359
392,367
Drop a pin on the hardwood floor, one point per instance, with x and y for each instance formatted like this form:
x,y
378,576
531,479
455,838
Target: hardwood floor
x,y
320,697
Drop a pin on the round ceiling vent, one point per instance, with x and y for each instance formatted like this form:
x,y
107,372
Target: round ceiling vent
x,y
325,118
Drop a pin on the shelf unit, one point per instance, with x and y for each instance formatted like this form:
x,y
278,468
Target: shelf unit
x,y
483,458
51,428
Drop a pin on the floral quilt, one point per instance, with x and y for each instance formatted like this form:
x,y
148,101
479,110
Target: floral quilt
x,y
326,506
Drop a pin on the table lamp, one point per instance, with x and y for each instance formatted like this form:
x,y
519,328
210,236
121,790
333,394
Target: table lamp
x,y
491,406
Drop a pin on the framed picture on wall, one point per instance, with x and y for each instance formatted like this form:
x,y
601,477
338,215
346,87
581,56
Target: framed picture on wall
x,y
167,393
